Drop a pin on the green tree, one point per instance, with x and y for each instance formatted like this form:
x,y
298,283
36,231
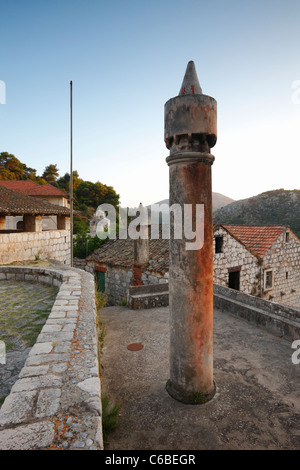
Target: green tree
x,y
93,194
64,181
51,173
10,167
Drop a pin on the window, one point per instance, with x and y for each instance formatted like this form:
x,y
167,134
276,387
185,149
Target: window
x,y
269,279
218,244
287,237
286,275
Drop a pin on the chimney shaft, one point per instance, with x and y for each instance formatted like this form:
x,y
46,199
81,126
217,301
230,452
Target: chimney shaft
x,y
190,132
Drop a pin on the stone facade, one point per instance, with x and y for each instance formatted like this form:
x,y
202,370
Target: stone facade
x,y
25,246
283,260
118,279
148,296
275,275
235,256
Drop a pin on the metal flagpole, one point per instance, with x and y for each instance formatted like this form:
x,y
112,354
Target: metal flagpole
x,y
71,176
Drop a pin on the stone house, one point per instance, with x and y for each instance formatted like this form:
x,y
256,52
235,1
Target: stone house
x,y
115,267
32,240
261,261
45,192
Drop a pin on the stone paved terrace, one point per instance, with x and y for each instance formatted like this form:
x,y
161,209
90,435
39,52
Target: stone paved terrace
x,y
55,403
24,308
257,404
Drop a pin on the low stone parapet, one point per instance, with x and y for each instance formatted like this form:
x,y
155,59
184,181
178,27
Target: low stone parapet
x,y
276,318
148,296
56,401
25,246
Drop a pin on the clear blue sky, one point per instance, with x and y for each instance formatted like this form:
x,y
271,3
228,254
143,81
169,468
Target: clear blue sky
x,y
126,58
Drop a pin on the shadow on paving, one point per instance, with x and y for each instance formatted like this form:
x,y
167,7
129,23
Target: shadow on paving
x,y
257,404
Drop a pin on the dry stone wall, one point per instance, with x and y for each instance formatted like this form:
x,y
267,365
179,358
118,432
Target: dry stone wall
x,y
25,246
283,258
118,280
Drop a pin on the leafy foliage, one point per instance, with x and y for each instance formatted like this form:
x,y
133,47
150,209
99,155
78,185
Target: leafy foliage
x,y
110,417
11,168
50,173
94,194
84,244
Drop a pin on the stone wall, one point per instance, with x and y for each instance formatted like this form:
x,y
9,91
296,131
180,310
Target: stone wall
x,y
148,296
283,258
25,246
118,280
55,403
235,255
276,318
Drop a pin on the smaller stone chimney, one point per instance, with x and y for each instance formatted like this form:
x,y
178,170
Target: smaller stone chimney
x,y
141,246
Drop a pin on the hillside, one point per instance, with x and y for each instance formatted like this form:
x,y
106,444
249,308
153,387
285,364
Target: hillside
x,y
278,207
218,201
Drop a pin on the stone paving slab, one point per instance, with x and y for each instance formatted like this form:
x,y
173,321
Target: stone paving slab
x,y
257,404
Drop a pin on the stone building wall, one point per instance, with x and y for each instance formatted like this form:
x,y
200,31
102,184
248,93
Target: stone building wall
x,y
283,259
235,255
119,279
25,246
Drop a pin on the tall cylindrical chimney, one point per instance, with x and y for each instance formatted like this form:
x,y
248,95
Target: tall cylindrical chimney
x,y
190,132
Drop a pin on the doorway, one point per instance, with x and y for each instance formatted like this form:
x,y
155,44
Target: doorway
x,y
234,280
100,281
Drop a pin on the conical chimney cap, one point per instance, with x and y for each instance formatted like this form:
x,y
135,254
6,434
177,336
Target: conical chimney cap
x,y
190,84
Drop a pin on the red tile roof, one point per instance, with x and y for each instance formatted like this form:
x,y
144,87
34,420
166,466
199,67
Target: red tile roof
x,y
256,239
30,188
15,203
121,252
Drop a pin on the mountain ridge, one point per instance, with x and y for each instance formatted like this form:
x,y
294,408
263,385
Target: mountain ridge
x,y
275,207
218,201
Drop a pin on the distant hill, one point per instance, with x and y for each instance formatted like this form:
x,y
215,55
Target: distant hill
x,y
278,207
218,201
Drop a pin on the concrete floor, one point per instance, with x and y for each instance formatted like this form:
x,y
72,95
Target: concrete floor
x,y
257,404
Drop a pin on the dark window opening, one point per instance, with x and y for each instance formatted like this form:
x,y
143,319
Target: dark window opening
x,y
269,280
219,245
287,237
234,280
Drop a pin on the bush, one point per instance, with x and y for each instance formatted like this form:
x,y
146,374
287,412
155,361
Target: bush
x,y
79,226
84,245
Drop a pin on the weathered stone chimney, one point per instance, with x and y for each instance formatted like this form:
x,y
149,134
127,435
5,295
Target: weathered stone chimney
x,y
141,246
190,132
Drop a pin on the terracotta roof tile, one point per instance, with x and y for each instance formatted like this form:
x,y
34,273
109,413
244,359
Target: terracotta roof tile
x,y
30,188
15,203
258,239
121,253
